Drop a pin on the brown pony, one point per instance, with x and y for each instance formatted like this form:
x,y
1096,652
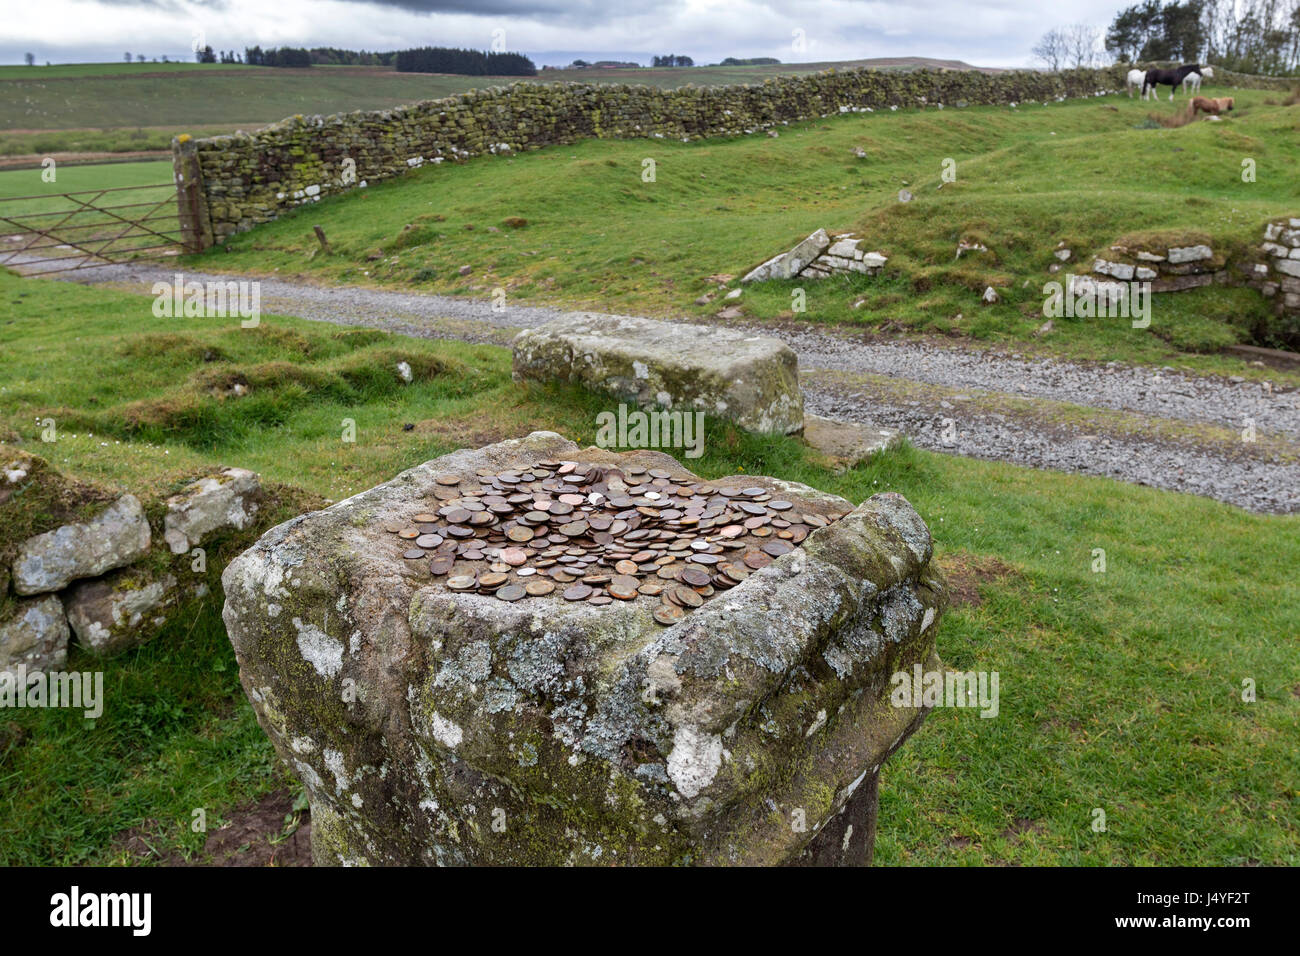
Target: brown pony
x,y
1203,104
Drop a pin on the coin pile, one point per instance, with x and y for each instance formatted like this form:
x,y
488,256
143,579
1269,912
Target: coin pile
x,y
600,534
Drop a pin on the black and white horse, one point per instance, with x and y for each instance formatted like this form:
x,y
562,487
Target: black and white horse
x,y
1170,78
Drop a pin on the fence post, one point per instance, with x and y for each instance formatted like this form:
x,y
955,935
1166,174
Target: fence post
x,y
191,203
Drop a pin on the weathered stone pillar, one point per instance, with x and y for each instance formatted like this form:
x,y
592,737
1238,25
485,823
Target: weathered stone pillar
x,y
191,202
532,653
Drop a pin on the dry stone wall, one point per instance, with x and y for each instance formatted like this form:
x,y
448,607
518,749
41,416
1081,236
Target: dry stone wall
x,y
94,581
235,182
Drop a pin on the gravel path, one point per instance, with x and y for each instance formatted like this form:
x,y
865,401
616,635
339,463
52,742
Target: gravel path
x,y
1239,473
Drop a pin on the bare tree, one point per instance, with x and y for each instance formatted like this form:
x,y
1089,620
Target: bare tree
x,y
1081,42
1050,49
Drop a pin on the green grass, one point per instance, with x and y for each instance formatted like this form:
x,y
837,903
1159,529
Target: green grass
x,y
599,236
1119,690
71,179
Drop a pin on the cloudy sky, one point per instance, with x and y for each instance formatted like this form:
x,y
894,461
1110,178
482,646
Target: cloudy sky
x,y
983,32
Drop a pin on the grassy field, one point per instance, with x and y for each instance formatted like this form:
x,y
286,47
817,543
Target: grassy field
x,y
121,96
1086,173
70,179
107,140
1120,690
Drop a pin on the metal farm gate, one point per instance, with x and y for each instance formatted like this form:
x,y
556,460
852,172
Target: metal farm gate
x,y
58,232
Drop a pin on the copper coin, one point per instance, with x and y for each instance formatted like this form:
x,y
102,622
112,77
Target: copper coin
x,y
448,479
756,559
626,567
514,556
492,580
413,554
600,600
778,548
461,582
428,540
539,587
440,566
668,614
577,592
651,589
695,578
424,518
686,597
394,527
408,534
520,534
511,592
624,587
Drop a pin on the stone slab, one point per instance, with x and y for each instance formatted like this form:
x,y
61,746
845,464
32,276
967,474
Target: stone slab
x,y
751,380
112,539
35,635
848,443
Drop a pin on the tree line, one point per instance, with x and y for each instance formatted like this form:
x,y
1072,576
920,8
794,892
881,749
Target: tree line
x,y
437,59
1248,36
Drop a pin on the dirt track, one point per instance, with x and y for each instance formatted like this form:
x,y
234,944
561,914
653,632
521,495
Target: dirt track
x,y
1167,428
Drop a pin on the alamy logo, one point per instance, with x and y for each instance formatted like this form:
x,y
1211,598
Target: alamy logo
x,y
75,908
1083,297
76,690
946,689
208,300
654,429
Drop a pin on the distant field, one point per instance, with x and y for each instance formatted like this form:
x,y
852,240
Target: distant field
x,y
28,182
183,96
130,139
62,70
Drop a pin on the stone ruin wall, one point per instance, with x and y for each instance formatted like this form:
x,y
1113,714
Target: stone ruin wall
x,y
232,183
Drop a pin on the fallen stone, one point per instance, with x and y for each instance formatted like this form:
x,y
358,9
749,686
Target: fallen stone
x,y
434,727
1116,270
51,561
848,444
1182,254
990,296
1289,267
794,261
749,379
228,499
35,635
119,611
